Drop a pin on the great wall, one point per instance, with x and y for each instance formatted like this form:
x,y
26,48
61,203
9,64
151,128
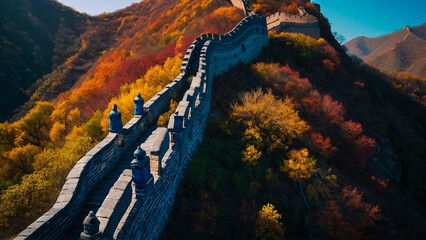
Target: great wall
x,y
124,188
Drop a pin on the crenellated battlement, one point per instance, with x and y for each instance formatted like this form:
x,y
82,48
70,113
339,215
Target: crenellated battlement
x,y
101,181
303,23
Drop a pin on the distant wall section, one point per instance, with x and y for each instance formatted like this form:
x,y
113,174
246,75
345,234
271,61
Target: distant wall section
x,y
285,22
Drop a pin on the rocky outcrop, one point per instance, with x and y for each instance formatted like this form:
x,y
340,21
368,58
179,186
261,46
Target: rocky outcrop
x,y
385,162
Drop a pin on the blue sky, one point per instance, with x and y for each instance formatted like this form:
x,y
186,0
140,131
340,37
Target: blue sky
x,y
351,18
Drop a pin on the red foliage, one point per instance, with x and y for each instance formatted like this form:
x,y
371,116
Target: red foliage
x,y
333,109
348,216
352,129
323,144
312,102
184,43
97,93
364,149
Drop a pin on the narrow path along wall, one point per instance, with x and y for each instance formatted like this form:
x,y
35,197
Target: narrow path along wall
x,y
148,217
95,165
145,218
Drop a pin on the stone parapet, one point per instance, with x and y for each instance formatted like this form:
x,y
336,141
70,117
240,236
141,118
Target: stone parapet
x,y
208,55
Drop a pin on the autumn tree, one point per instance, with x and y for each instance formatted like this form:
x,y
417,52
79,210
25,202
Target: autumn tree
x,y
299,167
34,126
348,216
268,225
251,155
222,20
34,194
292,9
270,122
20,159
148,85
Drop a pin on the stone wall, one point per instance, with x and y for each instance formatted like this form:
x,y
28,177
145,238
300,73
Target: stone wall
x,y
285,22
148,217
96,164
209,54
244,5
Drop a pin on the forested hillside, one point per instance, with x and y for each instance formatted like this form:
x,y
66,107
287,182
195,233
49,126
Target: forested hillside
x,y
306,143
137,49
35,37
303,143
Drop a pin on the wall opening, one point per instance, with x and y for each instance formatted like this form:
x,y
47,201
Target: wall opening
x,y
243,47
263,31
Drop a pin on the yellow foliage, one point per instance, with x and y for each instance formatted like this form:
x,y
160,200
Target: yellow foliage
x,y
22,157
270,122
60,113
57,132
267,224
74,134
34,194
251,155
163,120
299,165
34,126
152,82
74,116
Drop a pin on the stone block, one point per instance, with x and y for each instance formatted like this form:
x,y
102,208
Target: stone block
x,y
26,233
60,205
84,160
64,197
104,212
120,185
75,172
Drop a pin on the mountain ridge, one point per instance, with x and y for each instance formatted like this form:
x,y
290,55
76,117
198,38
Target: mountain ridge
x,y
400,51
35,37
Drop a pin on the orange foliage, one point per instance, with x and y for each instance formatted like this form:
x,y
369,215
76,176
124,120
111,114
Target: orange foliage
x,y
382,182
328,65
223,20
292,9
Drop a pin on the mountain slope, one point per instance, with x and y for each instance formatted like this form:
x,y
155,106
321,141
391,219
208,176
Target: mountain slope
x,y
35,37
134,50
401,51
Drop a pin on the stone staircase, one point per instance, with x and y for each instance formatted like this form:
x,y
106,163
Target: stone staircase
x,y
97,196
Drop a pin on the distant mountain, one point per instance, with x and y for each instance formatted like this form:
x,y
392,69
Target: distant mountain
x,y
401,51
35,37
